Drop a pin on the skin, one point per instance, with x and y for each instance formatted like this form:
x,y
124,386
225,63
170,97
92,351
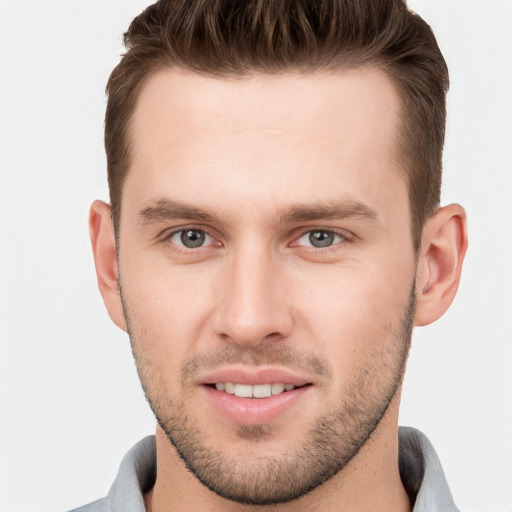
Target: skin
x,y
268,160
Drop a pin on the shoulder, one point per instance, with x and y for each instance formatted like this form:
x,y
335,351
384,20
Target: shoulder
x,y
135,477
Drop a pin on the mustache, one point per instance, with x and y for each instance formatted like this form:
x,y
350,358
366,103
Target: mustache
x,y
264,355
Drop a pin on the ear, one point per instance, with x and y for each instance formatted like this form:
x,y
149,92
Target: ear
x,y
443,247
103,241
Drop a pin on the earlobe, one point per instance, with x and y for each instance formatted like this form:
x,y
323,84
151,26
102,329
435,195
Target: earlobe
x,y
105,259
444,245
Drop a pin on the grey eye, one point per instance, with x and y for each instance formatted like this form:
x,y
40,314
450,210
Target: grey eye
x,y
319,238
190,238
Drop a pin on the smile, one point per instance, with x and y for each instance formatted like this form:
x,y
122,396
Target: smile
x,y
256,395
254,391
255,404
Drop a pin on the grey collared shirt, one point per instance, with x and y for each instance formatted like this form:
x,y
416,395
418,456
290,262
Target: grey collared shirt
x,y
420,469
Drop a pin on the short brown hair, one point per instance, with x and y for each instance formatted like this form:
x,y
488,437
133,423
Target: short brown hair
x,y
244,37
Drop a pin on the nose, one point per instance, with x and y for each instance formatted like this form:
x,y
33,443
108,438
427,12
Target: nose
x,y
252,307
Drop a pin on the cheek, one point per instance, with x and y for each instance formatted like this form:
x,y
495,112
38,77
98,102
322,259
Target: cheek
x,y
168,306
351,311
337,308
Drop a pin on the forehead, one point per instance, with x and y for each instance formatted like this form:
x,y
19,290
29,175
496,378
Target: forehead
x,y
265,133
319,104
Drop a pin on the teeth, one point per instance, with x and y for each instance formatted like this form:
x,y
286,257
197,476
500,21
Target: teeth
x,y
243,390
277,388
256,391
261,390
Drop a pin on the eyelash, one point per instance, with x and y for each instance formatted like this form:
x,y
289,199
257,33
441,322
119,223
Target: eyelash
x,y
343,235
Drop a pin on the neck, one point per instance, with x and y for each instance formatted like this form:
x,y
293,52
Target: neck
x,y
370,482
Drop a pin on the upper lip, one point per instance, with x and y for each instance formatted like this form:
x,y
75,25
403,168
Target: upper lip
x,y
253,376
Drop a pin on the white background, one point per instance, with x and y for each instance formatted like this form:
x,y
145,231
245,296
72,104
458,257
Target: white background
x,y
70,403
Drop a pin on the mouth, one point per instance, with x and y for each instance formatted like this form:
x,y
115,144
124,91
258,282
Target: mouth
x,y
253,396
257,390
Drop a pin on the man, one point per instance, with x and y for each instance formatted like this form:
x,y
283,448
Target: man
x,y
273,236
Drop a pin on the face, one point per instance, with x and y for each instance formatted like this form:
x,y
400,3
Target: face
x,y
267,272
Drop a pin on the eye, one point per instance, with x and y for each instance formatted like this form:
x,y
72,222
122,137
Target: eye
x,y
319,238
191,238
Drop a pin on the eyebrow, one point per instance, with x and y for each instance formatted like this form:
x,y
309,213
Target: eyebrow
x,y
328,211
167,209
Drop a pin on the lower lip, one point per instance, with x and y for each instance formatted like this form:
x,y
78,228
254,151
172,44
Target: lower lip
x,y
254,411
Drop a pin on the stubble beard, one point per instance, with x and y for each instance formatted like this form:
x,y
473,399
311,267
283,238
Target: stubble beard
x,y
328,447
